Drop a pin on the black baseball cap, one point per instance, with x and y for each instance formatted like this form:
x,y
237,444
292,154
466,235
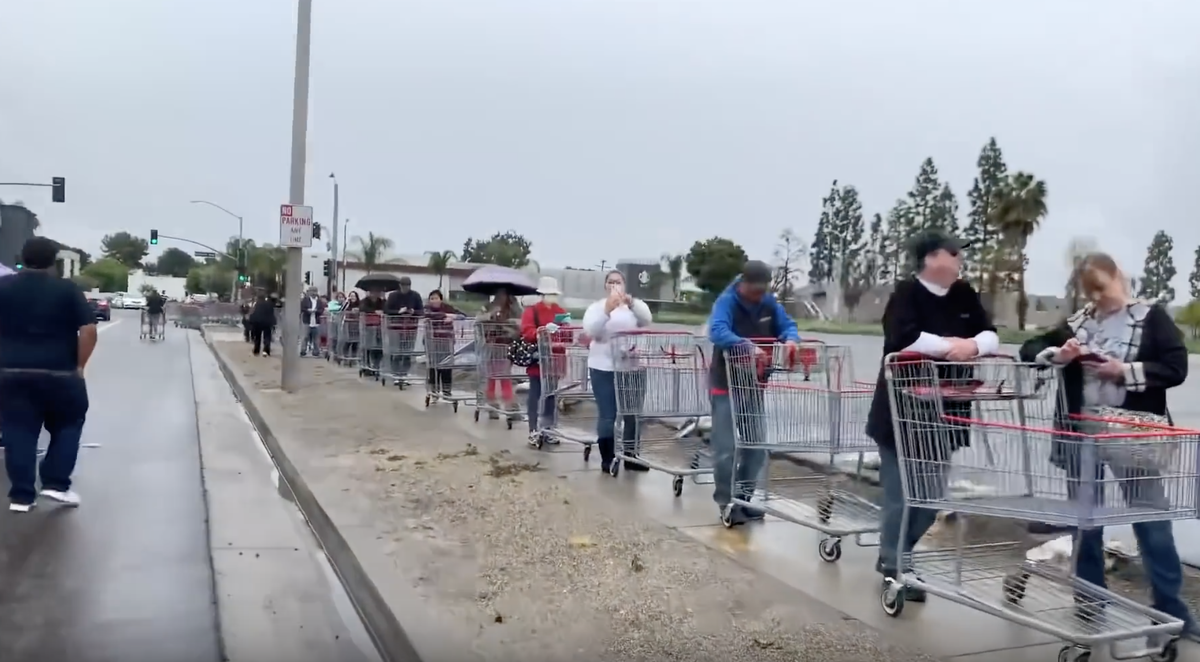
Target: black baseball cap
x,y
757,272
927,242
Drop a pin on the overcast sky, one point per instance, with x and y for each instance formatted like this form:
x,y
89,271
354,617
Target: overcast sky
x,y
601,129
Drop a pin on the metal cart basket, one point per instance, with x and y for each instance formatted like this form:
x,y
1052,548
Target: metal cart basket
x,y
1004,420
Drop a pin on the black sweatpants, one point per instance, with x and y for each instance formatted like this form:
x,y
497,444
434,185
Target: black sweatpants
x,y
261,334
439,380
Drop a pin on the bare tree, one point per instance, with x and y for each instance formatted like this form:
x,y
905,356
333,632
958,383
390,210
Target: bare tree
x,y
790,255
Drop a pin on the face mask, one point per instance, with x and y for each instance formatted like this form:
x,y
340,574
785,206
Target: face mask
x,y
550,298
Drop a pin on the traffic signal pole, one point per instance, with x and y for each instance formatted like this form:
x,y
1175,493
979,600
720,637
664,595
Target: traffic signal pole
x,y
289,377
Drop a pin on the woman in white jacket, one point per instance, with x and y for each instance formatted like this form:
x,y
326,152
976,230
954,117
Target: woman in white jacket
x,y
615,313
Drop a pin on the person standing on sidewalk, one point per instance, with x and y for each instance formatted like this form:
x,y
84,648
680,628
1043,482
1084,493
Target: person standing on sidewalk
x,y
745,312
47,334
410,307
545,314
262,325
940,316
312,308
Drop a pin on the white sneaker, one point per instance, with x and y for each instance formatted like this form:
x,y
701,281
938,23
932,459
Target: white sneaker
x,y
68,498
20,507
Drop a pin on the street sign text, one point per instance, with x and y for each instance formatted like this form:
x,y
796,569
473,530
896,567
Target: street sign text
x,y
204,254
295,226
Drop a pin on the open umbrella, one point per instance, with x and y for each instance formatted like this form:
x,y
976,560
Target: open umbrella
x,y
385,282
5,271
491,279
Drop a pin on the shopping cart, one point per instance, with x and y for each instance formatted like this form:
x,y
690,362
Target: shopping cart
x,y
661,374
345,349
445,339
151,326
801,400
498,377
1006,411
189,317
370,344
400,346
325,327
563,371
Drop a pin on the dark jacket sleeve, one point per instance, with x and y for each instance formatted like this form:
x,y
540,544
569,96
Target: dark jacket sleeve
x,y
1036,345
901,326
1163,360
392,304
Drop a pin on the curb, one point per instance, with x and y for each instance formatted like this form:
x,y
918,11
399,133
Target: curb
x,y
388,636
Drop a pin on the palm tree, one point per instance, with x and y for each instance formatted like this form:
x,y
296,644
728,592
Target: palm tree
x,y
439,262
675,266
372,251
267,263
1017,214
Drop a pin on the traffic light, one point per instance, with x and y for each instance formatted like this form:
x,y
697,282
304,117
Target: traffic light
x,y
241,276
20,266
308,278
328,267
316,230
58,189
154,237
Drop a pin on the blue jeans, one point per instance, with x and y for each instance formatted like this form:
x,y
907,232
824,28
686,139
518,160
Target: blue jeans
x,y
750,463
29,402
927,479
1156,540
604,387
548,411
311,339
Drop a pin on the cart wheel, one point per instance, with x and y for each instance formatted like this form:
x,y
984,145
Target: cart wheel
x,y
677,486
1014,588
454,406
509,421
614,468
587,452
427,400
1169,652
540,441
892,599
830,550
476,415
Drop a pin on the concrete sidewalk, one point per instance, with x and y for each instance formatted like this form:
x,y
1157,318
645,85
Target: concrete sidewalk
x,y
485,549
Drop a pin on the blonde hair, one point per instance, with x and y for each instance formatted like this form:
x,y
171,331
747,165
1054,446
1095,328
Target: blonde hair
x,y
1086,282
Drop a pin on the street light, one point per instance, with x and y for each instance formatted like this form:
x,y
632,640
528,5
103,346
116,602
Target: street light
x,y
241,242
332,282
346,234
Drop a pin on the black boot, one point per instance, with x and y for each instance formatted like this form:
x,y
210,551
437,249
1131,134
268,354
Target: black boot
x,y
607,455
630,450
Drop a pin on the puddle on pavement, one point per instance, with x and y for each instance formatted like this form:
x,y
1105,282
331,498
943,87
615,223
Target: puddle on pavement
x,y
341,600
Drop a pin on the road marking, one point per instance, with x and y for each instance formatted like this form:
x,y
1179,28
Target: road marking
x,y
106,327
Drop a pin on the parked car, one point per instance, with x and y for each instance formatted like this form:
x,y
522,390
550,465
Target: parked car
x,y
133,303
102,307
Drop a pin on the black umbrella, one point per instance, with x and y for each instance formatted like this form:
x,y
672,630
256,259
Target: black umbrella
x,y
491,279
385,282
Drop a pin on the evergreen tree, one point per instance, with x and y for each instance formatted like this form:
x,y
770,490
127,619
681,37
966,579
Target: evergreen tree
x,y
946,214
1159,270
924,199
872,263
848,236
901,225
821,253
1194,278
980,255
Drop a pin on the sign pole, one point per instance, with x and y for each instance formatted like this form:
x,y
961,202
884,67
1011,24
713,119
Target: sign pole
x,y
289,378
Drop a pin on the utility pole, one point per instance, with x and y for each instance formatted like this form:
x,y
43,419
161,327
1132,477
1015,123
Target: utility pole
x,y
333,245
345,243
289,378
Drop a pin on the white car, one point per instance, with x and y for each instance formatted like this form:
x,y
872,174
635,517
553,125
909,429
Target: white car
x,y
133,303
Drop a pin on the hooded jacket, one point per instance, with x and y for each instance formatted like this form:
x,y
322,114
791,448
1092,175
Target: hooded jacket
x,y
736,321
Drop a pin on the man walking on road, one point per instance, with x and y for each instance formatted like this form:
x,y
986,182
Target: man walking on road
x,y
745,313
47,335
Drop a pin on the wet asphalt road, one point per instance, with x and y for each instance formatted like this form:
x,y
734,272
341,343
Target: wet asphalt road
x,y
127,576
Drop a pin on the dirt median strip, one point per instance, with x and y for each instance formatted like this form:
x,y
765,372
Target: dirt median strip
x,y
510,558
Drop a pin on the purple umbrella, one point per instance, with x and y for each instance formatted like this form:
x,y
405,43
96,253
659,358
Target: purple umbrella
x,y
5,271
490,279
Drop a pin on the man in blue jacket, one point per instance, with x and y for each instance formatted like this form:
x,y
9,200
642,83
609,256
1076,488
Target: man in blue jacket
x,y
746,319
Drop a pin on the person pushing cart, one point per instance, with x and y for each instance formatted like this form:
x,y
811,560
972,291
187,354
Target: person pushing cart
x,y
937,315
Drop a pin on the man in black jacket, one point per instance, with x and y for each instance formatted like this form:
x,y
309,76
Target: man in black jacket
x,y
262,324
941,317
408,303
